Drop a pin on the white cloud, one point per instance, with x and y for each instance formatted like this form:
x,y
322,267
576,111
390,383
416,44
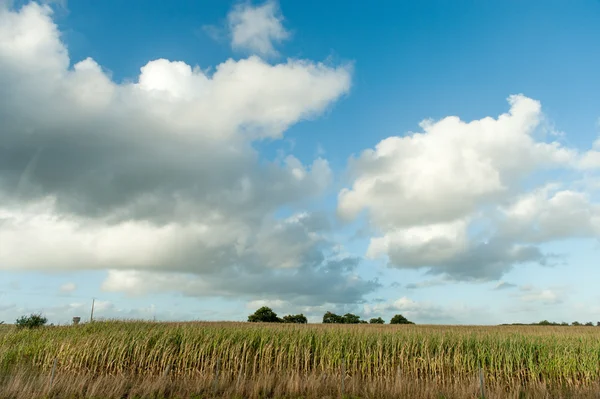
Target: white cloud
x,y
442,174
548,296
450,199
256,29
422,245
591,159
68,287
159,175
549,214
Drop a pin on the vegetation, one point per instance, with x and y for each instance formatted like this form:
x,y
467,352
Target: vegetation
x,y
399,319
305,360
298,319
377,320
267,315
31,321
264,315
348,318
551,323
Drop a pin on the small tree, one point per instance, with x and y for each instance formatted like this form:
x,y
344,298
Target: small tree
x,y
589,323
264,315
399,319
377,320
32,321
576,323
332,318
350,318
598,324
298,318
363,322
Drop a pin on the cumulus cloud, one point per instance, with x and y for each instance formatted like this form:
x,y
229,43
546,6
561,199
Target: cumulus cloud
x,y
442,174
549,214
256,29
450,199
159,175
332,281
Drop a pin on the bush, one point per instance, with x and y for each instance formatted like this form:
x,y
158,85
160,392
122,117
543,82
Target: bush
x,y
399,319
32,321
350,318
377,320
298,318
331,318
264,315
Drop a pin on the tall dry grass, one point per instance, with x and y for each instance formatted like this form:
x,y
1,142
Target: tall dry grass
x,y
305,360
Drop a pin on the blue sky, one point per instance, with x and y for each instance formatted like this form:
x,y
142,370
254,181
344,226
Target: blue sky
x,y
200,159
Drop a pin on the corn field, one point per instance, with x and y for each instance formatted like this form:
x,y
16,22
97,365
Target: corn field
x,y
510,357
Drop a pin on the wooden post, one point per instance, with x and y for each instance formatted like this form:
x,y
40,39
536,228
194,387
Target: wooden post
x,y
217,376
53,372
481,382
343,374
92,314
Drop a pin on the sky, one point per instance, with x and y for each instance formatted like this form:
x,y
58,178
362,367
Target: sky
x,y
196,160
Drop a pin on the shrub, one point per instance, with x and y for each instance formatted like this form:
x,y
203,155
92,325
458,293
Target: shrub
x,y
330,318
377,320
298,318
264,315
399,319
350,318
32,321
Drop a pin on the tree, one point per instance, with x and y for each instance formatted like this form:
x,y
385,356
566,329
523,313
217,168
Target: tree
x,y
32,321
589,323
264,315
350,318
378,320
363,322
297,318
332,318
399,319
598,324
576,323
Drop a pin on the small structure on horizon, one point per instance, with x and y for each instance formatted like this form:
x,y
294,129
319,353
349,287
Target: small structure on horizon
x,y
76,320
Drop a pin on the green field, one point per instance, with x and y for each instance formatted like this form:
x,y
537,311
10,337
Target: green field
x,y
260,360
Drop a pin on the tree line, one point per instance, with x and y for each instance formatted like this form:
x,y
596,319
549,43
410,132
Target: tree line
x,y
267,315
553,323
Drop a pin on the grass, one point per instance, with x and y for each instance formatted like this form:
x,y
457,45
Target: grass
x,y
253,360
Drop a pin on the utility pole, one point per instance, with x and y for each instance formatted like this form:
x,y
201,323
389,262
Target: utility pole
x,y
92,314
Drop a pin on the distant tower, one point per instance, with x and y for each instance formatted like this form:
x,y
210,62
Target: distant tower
x,y
76,320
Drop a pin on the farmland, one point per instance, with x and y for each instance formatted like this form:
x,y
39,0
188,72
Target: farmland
x,y
144,359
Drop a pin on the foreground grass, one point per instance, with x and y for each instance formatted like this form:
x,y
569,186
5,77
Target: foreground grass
x,y
250,360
